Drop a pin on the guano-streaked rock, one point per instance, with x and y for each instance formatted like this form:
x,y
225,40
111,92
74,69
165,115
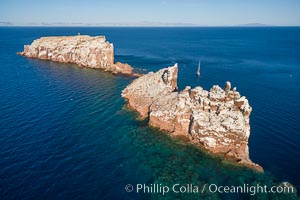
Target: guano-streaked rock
x,y
142,91
217,120
84,50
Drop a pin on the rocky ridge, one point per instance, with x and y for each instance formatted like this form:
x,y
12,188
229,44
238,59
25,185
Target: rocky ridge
x,y
217,120
84,50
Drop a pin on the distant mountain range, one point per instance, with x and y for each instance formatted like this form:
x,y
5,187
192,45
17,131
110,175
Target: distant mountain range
x,y
127,24
254,25
116,24
6,24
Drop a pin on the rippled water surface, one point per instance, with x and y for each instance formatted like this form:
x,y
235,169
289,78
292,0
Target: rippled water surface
x,y
66,134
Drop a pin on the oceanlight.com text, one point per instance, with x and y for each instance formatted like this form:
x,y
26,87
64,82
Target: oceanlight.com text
x,y
212,188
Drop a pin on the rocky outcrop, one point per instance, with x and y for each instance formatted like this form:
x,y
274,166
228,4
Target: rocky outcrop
x,y
142,91
84,50
216,120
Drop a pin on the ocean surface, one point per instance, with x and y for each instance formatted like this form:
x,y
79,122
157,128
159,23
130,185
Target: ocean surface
x,y
65,132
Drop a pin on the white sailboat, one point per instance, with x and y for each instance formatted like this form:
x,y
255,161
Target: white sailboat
x,y
198,71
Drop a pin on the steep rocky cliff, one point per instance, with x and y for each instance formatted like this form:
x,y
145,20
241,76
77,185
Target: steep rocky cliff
x,y
84,50
142,91
216,120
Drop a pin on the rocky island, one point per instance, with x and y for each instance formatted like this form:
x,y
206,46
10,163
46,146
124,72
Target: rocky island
x,y
217,120
84,50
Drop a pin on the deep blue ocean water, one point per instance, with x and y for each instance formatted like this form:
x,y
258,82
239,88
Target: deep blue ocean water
x,y
66,134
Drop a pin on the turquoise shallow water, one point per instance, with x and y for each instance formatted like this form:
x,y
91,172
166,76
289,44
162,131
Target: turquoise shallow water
x,y
66,134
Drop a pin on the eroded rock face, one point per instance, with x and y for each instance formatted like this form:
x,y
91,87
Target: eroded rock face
x,y
142,91
84,50
217,120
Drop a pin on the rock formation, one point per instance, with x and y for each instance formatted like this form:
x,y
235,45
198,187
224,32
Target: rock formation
x,y
216,120
142,91
84,50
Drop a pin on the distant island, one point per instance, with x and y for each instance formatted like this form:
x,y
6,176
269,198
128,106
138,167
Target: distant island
x,y
253,25
128,24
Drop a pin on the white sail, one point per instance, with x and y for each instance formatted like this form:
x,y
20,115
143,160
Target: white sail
x,y
198,71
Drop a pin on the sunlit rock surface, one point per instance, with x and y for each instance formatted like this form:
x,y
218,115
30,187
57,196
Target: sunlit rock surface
x,y
217,120
142,91
84,50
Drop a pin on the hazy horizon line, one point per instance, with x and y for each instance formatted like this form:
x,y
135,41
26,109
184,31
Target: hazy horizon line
x,y
108,26
132,24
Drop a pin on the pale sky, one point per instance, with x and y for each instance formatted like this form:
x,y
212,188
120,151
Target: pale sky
x,y
197,12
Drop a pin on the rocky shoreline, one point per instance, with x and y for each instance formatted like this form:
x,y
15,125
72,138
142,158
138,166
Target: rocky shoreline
x,y
83,50
216,120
